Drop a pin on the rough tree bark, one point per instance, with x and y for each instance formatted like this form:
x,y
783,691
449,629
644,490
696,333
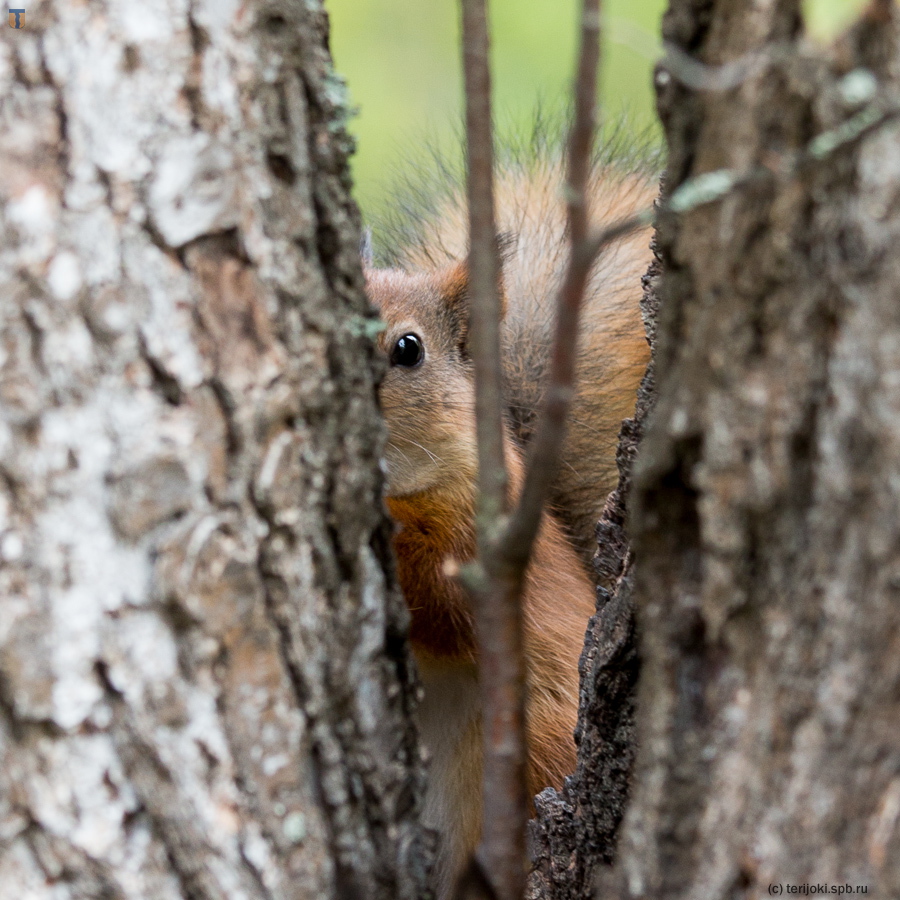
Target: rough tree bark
x,y
765,502
204,688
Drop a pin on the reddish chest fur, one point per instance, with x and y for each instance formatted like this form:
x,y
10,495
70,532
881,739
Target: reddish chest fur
x,y
435,531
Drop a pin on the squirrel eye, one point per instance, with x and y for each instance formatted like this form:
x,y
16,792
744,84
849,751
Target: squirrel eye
x,y
408,351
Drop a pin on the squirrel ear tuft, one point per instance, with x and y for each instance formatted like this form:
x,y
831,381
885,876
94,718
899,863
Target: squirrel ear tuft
x,y
455,292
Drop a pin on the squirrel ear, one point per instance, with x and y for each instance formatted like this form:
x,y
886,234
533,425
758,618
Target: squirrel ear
x,y
455,292
454,288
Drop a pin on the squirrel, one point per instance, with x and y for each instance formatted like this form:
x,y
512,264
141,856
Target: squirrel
x,y
427,396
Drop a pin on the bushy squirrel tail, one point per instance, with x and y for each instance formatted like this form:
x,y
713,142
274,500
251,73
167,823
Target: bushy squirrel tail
x,y
612,353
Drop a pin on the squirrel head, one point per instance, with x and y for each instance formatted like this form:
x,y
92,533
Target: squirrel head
x,y
428,391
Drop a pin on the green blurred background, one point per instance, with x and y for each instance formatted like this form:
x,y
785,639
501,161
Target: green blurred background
x,y
401,60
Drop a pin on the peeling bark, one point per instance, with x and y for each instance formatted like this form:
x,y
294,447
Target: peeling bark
x,y
204,683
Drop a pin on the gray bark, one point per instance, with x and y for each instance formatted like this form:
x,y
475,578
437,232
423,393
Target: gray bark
x,y
573,836
204,685
765,503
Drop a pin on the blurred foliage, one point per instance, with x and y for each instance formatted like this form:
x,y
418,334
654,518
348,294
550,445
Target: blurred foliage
x,y
401,60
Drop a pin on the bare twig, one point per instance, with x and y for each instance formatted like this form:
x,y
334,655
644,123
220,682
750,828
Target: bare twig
x,y
504,547
484,264
547,442
725,77
498,613
584,124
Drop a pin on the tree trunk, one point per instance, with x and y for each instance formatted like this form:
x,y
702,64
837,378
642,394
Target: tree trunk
x,y
204,685
765,503
573,836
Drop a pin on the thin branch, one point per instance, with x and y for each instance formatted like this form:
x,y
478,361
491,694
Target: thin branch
x,y
499,606
484,264
498,612
584,124
711,186
547,443
725,77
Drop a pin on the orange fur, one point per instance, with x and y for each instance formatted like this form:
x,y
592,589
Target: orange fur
x,y
433,533
558,599
432,473
612,351
435,528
